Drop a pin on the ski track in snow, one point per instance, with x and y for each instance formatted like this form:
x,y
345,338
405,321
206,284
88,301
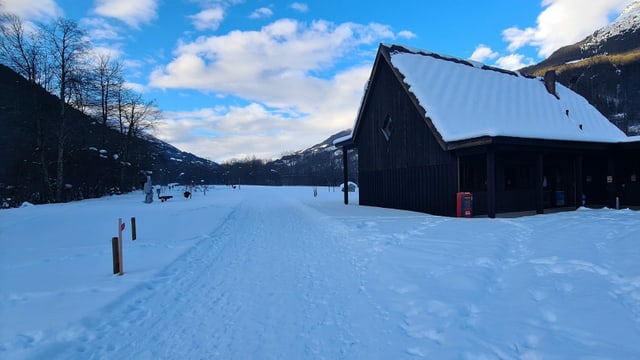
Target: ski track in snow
x,y
227,293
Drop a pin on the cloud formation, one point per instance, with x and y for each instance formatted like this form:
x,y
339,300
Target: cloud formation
x,y
274,66
132,13
100,29
407,34
301,7
482,53
563,22
208,19
514,61
557,26
32,10
236,132
278,72
263,12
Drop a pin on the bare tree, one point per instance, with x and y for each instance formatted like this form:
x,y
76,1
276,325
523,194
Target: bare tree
x,y
135,116
139,116
19,49
23,51
66,45
107,80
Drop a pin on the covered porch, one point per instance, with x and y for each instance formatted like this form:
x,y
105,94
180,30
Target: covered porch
x,y
507,179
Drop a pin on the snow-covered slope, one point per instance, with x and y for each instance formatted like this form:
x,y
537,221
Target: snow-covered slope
x,y
627,22
622,36
604,68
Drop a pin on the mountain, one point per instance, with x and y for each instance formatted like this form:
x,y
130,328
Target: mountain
x,y
604,68
320,164
98,160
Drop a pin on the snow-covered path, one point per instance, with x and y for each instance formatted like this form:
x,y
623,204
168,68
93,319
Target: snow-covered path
x,y
270,282
274,273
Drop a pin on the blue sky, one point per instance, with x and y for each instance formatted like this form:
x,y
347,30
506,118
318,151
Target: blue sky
x,y
237,78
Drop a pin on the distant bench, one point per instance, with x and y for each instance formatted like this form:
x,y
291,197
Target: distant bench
x,y
165,197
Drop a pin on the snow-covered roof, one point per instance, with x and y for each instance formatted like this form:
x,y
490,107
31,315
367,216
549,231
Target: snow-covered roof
x,y
466,100
342,139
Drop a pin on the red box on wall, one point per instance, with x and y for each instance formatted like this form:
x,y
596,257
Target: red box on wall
x,y
464,204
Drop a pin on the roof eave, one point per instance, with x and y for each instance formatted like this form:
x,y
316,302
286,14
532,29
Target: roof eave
x,y
533,143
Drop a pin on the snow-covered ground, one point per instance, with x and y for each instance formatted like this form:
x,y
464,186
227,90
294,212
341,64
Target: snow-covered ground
x,y
274,273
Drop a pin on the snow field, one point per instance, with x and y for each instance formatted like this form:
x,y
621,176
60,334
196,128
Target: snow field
x,y
274,273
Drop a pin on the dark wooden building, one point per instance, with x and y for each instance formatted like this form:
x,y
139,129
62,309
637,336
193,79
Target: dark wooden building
x,y
431,126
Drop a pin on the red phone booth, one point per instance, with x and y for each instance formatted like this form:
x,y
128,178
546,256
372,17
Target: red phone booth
x,y
464,204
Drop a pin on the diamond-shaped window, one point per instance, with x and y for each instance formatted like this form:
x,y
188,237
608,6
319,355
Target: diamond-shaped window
x,y
387,127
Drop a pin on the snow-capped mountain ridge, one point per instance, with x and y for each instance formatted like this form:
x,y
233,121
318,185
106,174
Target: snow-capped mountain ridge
x,y
627,22
604,68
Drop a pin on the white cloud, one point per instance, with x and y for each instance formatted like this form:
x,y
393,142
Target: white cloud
x,y
112,52
482,53
407,34
32,10
130,12
262,12
563,22
233,132
273,65
301,7
518,38
208,19
514,62
236,132
99,29
276,70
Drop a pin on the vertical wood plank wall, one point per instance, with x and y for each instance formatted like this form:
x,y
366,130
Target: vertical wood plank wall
x,y
410,170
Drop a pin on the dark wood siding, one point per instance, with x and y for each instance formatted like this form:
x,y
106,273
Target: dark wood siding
x,y
408,169
627,162
403,163
516,179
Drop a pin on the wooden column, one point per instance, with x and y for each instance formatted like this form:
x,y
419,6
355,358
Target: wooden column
x,y
345,172
611,183
539,184
491,183
579,186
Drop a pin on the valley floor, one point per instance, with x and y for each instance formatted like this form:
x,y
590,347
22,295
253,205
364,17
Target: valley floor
x,y
274,273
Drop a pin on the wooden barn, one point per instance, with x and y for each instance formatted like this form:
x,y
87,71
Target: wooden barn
x,y
432,126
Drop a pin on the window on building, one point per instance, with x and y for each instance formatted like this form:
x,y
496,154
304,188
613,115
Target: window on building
x,y
387,127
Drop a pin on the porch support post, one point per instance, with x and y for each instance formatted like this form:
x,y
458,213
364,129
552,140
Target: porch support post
x,y
579,186
539,184
345,173
611,186
491,182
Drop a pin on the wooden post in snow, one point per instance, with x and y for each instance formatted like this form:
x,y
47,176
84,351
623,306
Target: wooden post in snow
x,y
120,228
116,255
133,228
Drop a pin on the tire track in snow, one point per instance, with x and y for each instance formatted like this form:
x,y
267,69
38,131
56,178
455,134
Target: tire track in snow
x,y
270,282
